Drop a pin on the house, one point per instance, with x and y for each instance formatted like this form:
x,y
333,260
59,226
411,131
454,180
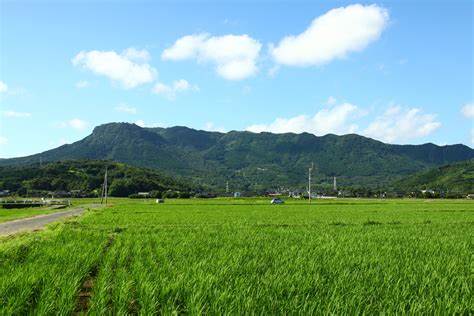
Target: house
x,y
144,194
272,193
427,192
4,192
297,194
236,194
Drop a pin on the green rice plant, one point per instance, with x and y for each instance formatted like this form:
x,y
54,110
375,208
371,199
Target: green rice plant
x,y
237,257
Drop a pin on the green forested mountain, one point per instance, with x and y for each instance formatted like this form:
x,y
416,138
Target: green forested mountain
x,y
250,161
454,178
85,177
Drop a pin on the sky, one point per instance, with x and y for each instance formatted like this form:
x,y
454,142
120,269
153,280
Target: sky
x,y
400,71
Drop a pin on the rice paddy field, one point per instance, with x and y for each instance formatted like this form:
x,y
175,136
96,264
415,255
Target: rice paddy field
x,y
246,257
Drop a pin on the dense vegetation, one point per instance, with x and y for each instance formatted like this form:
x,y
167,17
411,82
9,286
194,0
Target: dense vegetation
x,y
255,162
246,257
451,179
85,178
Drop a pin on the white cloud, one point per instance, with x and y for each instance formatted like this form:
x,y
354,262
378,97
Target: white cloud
x,y
124,68
468,110
3,140
472,136
170,91
235,56
398,124
394,125
123,107
77,124
74,123
210,126
337,119
16,114
332,35
142,123
331,100
3,87
136,54
82,84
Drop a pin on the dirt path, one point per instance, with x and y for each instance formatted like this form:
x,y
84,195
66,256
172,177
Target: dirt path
x,y
38,222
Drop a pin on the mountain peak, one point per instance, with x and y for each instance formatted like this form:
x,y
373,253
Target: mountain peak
x,y
116,126
240,157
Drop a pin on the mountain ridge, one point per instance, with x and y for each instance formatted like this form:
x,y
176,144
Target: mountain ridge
x,y
254,161
453,180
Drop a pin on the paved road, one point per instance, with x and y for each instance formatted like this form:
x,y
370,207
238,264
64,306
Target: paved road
x,y
38,222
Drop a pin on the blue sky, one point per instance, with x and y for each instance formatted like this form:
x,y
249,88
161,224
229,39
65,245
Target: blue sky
x,y
400,72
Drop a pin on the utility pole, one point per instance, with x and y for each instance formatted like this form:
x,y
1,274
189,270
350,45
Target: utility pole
x,y
106,186
104,189
335,185
227,187
309,181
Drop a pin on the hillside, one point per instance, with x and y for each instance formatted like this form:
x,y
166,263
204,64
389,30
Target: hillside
x,y
252,161
85,178
454,178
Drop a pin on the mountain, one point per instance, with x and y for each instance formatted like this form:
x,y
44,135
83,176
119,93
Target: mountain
x,y
250,161
455,178
85,178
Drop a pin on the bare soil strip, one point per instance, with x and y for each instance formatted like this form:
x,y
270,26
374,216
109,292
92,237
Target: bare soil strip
x,y
85,292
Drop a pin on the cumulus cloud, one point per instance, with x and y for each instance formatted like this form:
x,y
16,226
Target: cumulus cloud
x,y
82,84
234,56
123,107
333,35
128,68
3,87
331,100
142,123
170,91
74,123
337,119
16,114
468,110
211,127
398,124
136,54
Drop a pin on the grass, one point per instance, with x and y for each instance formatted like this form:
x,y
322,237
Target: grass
x,y
246,256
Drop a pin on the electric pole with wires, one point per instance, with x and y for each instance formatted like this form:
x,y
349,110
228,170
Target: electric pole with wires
x,y
104,189
310,170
